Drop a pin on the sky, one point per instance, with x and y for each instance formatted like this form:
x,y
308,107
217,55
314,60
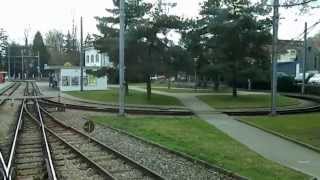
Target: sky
x,y
43,15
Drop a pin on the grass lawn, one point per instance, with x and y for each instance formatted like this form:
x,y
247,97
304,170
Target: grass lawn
x,y
198,139
190,90
134,97
303,127
245,101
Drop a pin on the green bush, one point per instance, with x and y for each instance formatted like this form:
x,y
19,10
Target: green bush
x,y
287,84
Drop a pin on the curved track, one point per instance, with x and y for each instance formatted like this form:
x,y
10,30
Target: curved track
x,y
137,110
287,111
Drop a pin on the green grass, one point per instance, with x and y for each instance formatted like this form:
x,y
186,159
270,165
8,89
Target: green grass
x,y
134,97
304,127
190,90
245,101
198,139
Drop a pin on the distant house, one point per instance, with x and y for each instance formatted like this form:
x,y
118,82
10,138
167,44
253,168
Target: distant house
x,y
291,56
68,77
93,57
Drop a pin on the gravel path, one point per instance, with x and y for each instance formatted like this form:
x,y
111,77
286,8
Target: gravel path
x,y
165,163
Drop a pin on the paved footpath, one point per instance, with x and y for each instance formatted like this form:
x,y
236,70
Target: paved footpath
x,y
269,146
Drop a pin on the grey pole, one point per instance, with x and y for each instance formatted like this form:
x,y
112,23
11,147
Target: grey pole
x,y
274,57
304,59
121,59
14,68
81,55
22,64
38,67
9,63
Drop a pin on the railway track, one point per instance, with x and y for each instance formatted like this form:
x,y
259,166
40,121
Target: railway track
x,y
9,91
288,111
117,165
151,111
75,158
29,155
253,112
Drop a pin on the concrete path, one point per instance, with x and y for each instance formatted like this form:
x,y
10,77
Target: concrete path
x,y
269,146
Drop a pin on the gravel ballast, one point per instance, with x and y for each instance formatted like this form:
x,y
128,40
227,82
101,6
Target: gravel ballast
x,y
164,162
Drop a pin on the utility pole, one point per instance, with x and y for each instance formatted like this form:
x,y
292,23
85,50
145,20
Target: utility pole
x,y
38,67
304,59
22,64
121,59
81,55
9,63
275,20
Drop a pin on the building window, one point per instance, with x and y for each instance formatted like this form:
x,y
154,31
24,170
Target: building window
x,y
97,58
87,59
75,81
92,58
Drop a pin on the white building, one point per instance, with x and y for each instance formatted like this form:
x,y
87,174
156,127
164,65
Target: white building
x,y
68,78
93,58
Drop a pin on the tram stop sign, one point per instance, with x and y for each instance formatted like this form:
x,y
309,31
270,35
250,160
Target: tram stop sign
x,y
88,126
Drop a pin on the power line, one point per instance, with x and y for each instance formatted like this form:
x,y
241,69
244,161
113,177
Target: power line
x,y
288,5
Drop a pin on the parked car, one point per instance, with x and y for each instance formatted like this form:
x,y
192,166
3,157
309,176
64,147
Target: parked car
x,y
282,74
299,77
315,79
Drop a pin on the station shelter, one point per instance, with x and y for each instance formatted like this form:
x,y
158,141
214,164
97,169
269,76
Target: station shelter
x,y
68,78
3,76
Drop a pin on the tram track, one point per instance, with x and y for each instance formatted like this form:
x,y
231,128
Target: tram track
x,y
9,91
74,158
287,111
116,164
113,109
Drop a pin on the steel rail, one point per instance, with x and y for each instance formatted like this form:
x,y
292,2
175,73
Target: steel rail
x,y
47,148
74,149
115,110
14,143
13,88
115,152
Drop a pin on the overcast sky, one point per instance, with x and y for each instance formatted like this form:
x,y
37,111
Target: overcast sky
x,y
43,15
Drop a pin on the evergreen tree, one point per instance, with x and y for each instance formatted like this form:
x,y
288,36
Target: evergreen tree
x,y
39,47
238,33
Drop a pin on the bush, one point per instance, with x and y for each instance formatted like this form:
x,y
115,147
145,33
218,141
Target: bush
x,y
287,84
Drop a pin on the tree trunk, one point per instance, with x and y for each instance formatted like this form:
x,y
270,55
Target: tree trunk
x,y
148,81
169,83
127,88
234,82
216,83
